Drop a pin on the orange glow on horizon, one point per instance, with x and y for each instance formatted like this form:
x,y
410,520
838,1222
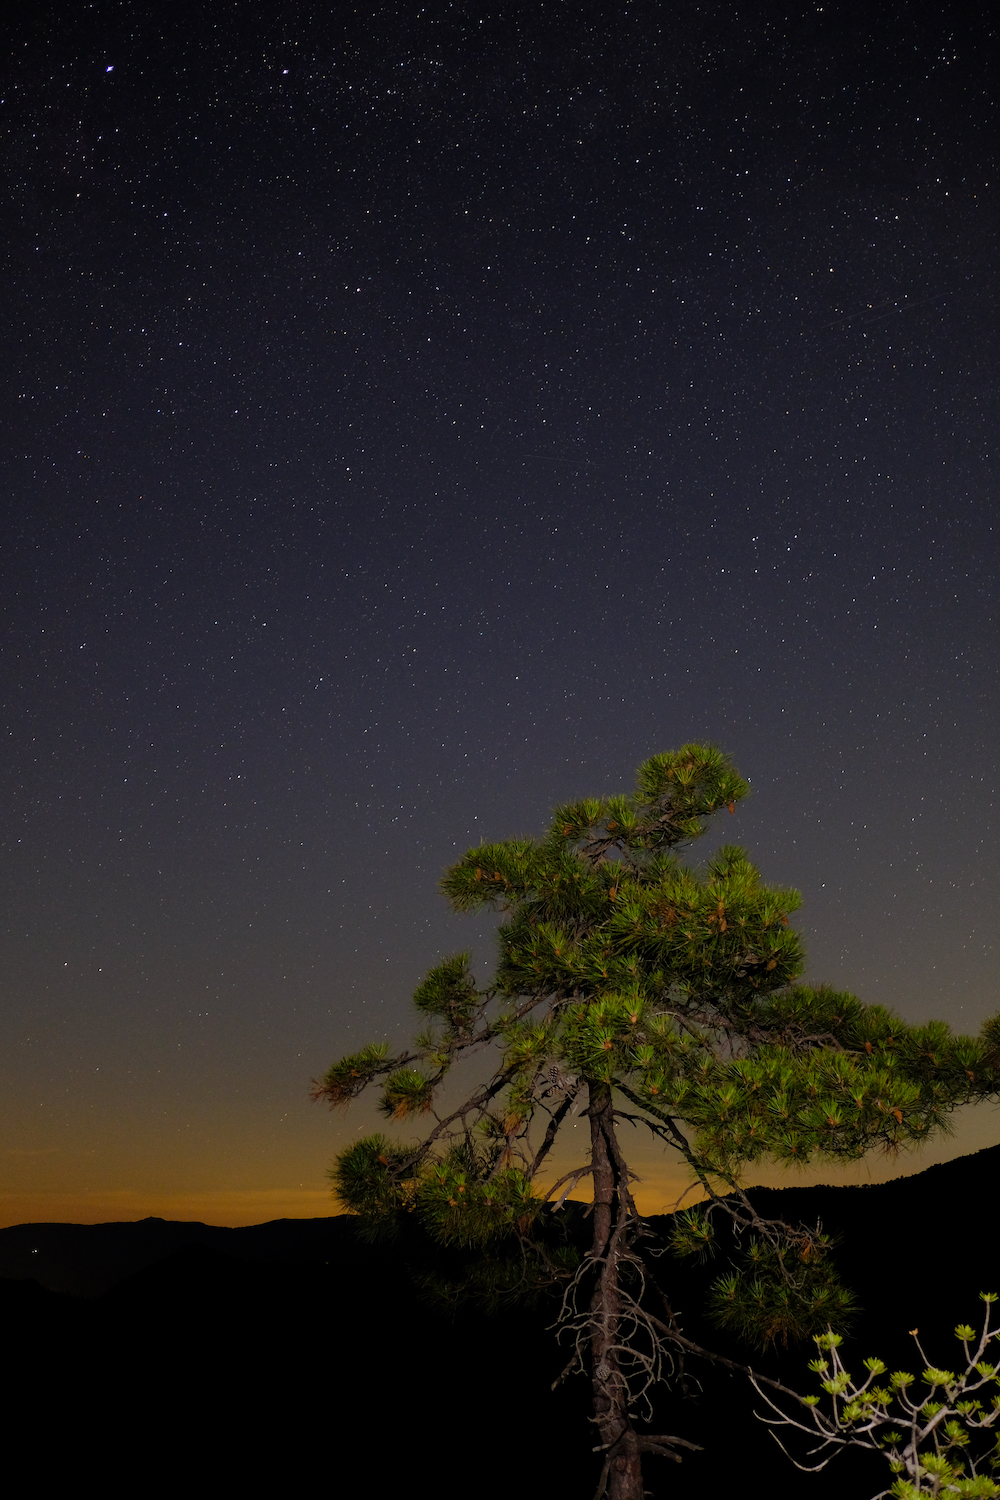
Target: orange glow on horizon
x,y
662,1185
228,1208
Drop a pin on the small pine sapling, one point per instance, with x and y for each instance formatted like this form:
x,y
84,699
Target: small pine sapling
x,y
927,1428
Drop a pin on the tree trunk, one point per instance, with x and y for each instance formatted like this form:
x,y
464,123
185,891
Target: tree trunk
x,y
618,1438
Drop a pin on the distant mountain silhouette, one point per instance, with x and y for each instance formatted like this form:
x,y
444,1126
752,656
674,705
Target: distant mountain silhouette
x,y
291,1354
88,1259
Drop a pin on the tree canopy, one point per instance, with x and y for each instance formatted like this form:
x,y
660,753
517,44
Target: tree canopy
x,y
631,987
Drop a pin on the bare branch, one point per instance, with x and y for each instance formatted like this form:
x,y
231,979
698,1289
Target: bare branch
x,y
572,1178
552,1131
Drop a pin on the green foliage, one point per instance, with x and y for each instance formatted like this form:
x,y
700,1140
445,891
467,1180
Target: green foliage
x,y
991,1042
934,1454
464,1200
348,1077
782,1293
692,1233
372,1180
406,1092
631,984
837,1080
449,992
619,965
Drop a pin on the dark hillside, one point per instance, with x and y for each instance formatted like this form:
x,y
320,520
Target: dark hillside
x,y
291,1353
207,1369
88,1259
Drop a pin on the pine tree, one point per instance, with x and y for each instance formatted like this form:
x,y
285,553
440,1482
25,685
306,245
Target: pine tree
x,y
632,988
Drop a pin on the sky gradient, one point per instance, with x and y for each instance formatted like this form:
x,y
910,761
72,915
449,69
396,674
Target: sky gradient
x,y
414,418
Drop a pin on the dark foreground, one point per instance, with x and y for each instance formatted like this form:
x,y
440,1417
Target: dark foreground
x,y
162,1356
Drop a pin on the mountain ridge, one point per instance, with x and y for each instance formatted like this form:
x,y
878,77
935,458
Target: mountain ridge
x,y
89,1259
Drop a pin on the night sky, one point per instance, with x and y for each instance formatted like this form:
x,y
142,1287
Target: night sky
x,y
415,416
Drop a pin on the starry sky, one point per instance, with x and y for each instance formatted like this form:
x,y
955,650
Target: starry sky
x,y
415,416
